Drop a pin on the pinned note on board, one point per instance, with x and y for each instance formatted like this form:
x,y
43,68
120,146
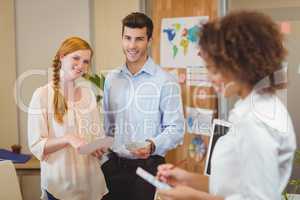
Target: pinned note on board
x,y
182,78
285,27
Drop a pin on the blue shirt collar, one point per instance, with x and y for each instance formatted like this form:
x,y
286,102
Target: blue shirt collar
x,y
147,68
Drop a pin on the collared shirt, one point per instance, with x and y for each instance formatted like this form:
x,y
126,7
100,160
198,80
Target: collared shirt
x,y
65,173
254,159
146,105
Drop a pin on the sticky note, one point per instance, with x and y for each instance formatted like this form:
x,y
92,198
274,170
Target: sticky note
x,y
182,78
285,27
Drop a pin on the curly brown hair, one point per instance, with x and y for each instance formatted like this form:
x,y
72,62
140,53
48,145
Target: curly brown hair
x,y
247,44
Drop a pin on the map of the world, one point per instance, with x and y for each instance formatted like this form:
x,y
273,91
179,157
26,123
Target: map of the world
x,y
179,41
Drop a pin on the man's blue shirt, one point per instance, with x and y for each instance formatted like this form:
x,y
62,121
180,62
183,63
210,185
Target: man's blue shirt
x,y
146,105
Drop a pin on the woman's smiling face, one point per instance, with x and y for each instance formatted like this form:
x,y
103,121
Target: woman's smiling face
x,y
75,64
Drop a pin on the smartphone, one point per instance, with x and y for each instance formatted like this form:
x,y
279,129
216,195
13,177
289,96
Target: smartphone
x,y
151,179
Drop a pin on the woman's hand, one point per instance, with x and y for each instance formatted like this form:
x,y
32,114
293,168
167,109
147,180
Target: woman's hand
x,y
75,141
172,175
180,192
99,152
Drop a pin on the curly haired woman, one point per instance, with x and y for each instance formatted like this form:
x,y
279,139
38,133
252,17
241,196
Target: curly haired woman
x,y
244,53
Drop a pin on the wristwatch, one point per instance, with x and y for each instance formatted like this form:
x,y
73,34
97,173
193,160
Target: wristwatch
x,y
152,146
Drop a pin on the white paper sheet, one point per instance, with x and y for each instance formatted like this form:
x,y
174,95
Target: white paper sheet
x,y
105,142
199,120
197,76
136,145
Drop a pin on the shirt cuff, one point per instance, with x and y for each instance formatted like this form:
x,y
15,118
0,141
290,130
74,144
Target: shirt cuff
x,y
38,149
152,147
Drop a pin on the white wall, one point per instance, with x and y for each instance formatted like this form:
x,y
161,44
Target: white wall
x,y
8,122
32,32
107,31
262,4
41,26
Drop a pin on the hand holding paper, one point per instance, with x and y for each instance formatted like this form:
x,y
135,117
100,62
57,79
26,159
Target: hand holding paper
x,y
99,152
75,141
139,149
133,146
101,143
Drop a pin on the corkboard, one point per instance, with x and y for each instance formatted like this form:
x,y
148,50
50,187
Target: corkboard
x,y
191,95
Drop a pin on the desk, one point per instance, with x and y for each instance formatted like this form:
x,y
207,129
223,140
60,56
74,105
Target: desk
x,y
29,178
31,167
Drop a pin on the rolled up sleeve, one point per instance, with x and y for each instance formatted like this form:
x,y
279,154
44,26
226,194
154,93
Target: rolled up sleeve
x,y
37,125
172,121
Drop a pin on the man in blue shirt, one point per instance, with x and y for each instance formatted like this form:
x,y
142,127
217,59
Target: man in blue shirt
x,y
143,111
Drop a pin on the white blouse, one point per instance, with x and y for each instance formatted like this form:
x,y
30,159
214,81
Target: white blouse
x,y
254,159
66,174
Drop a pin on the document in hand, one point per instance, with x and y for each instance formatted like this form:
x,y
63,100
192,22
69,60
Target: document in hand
x,y
105,142
133,146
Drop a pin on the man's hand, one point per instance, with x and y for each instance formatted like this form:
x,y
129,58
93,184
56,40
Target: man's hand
x,y
142,153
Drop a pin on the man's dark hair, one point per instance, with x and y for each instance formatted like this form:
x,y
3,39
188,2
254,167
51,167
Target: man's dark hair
x,y
138,20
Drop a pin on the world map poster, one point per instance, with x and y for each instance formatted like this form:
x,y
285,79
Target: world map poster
x,y
179,42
